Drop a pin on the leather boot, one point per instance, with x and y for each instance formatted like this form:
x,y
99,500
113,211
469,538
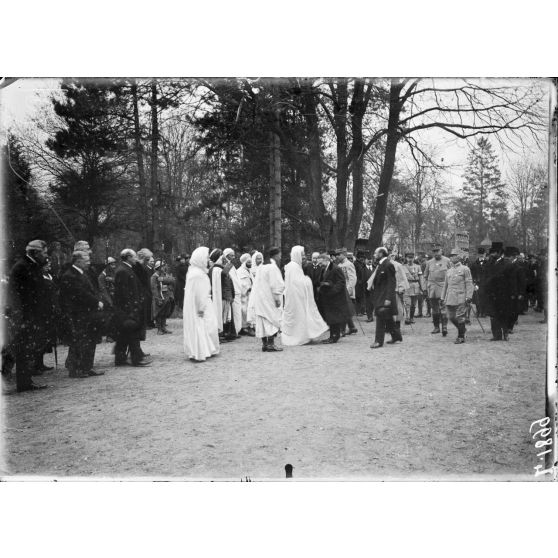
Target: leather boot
x,y
436,322
444,325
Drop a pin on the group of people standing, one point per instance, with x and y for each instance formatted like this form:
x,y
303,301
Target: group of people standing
x,y
223,299
307,299
78,306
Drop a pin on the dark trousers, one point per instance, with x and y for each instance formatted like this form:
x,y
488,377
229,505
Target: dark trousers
x,y
125,342
335,330
384,323
81,354
499,326
25,359
420,303
369,306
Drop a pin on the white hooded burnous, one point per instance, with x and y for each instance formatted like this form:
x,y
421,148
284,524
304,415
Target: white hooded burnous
x,y
246,280
267,291
301,319
201,339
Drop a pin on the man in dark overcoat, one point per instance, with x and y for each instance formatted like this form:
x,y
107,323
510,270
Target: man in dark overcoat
x,y
180,273
314,270
144,270
384,298
362,277
83,307
478,273
501,291
332,299
129,306
26,313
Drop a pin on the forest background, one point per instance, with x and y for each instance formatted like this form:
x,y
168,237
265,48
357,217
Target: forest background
x,y
248,162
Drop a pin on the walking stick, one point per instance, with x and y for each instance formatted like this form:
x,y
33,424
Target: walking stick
x,y
361,328
476,316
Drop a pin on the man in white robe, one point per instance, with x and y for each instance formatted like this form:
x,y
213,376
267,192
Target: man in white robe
x,y
201,338
257,261
215,270
230,256
301,320
268,299
246,281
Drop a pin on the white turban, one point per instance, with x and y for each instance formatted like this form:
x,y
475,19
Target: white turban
x,y
228,251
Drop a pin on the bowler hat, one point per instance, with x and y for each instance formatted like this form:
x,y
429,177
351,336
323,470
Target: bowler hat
x,y
497,247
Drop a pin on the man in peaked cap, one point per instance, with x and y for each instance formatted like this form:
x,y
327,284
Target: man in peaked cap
x,y
458,293
413,272
26,313
435,276
105,281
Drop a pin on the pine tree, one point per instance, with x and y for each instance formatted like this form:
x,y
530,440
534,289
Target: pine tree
x,y
483,191
93,155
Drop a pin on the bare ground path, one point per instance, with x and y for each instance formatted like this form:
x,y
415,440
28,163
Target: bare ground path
x,y
422,409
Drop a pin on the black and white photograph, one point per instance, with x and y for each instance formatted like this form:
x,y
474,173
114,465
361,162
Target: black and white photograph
x,y
341,278
278,279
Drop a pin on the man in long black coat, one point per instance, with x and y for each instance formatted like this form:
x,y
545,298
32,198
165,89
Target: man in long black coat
x,y
501,290
26,313
83,306
332,299
180,273
129,306
314,270
478,273
362,277
384,299
144,270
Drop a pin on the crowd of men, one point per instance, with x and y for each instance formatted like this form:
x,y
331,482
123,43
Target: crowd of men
x,y
77,306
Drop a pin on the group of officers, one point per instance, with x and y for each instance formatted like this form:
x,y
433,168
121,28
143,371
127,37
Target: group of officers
x,y
501,284
135,293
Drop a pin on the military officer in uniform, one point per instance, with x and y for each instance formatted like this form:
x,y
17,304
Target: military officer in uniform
x,y
435,276
413,272
457,293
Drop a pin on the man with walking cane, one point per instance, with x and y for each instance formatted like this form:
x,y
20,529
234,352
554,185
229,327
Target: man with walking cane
x,y
457,293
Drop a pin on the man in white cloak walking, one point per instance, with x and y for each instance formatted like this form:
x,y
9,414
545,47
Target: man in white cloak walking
x,y
201,338
302,322
267,294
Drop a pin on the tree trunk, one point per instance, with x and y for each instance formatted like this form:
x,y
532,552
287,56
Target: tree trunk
x,y
340,122
275,202
138,148
358,108
314,169
392,139
154,163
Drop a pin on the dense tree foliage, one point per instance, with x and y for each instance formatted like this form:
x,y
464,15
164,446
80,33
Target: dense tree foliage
x,y
175,163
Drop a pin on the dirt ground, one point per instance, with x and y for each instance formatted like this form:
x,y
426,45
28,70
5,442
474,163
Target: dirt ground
x,y
422,409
